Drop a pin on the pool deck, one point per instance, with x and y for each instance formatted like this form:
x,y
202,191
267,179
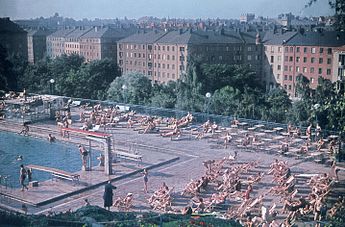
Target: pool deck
x,y
56,189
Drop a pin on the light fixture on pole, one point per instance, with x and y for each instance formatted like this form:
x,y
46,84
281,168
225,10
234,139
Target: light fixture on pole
x,y
208,97
124,89
51,83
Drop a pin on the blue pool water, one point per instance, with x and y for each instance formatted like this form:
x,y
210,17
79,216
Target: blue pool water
x,y
36,151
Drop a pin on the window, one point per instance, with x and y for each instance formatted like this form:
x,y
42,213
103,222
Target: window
x,y
279,49
328,71
312,70
173,66
163,47
297,59
305,49
167,48
286,49
278,76
285,77
329,61
249,57
181,48
173,57
312,60
313,50
279,58
290,78
289,87
173,48
286,58
272,59
278,67
320,60
290,68
304,69
304,59
297,49
311,80
297,68
290,58
321,50
285,68
285,86
329,51
291,49
320,70
159,47
163,66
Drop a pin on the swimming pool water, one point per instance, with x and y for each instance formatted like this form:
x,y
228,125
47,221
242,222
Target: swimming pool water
x,y
36,151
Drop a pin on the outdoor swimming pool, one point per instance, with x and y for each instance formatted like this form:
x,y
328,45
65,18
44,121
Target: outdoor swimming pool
x,y
36,151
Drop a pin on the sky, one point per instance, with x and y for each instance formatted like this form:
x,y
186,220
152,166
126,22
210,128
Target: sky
x,y
106,9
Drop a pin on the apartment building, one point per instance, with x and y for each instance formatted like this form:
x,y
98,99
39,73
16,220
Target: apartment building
x,y
56,42
101,42
135,53
13,38
171,50
37,44
292,54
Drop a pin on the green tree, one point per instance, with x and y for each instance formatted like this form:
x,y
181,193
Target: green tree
x,y
138,89
225,101
277,105
164,95
8,76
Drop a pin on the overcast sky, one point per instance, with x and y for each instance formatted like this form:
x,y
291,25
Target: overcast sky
x,y
78,9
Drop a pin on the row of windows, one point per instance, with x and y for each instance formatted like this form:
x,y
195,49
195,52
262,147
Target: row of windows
x,y
312,50
303,69
298,59
158,65
158,74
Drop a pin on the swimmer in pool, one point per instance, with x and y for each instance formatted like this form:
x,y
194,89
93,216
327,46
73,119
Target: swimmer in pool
x,y
20,158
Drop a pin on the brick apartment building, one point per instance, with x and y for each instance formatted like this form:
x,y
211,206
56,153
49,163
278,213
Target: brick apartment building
x,y
290,54
37,45
164,55
92,43
13,38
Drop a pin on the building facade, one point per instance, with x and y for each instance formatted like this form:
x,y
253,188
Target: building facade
x,y
163,56
37,44
13,38
293,54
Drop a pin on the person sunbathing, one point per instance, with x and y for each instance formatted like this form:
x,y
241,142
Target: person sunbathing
x,y
175,132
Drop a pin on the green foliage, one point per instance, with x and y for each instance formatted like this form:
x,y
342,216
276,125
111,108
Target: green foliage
x,y
138,89
164,95
72,77
277,105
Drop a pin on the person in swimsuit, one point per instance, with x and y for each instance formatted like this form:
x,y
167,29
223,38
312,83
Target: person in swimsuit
x,y
145,173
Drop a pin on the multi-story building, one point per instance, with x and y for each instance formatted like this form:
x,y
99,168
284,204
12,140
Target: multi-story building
x,y
101,42
13,38
292,54
37,44
56,42
135,53
72,40
171,51
338,67
92,43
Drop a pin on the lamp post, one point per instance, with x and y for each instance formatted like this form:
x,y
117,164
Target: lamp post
x,y
315,108
51,83
124,89
208,97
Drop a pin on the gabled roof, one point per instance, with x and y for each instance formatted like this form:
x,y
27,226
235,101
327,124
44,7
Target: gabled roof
x,y
143,37
106,32
77,33
325,38
277,38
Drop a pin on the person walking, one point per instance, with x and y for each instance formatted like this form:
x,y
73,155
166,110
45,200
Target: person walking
x,y
22,177
146,179
108,195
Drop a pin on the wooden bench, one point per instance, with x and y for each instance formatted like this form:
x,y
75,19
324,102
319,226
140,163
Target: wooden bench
x,y
128,156
57,173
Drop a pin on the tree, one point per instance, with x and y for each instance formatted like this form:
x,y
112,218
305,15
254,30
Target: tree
x,y
339,8
225,101
138,89
8,76
164,95
277,105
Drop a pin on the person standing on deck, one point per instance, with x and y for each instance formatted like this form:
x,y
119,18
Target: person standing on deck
x,y
108,195
22,177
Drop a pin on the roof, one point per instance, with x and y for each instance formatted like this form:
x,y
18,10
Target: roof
x,y
6,25
325,38
143,37
277,38
62,32
106,32
77,33
188,36
39,32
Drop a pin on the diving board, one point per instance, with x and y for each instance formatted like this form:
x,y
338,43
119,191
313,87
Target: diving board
x,y
58,173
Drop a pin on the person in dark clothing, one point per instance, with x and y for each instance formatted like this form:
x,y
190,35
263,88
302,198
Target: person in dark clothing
x,y
108,195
